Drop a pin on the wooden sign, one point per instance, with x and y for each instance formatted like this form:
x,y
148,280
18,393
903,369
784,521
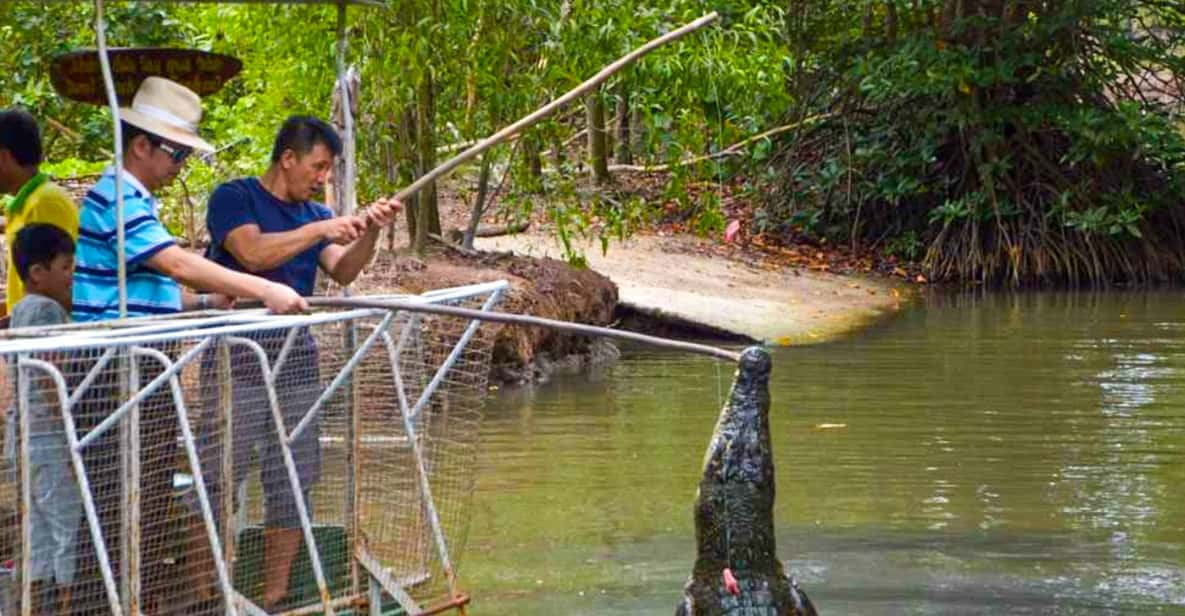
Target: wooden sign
x,y
77,75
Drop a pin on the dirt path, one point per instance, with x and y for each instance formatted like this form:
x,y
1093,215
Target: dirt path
x,y
669,276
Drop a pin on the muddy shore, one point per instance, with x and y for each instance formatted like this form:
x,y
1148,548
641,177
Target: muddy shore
x,y
663,286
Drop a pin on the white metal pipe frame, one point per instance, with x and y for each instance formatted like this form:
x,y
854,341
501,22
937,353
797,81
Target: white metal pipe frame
x,y
419,380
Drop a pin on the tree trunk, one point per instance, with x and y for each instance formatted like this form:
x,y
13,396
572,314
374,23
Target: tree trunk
x,y
409,158
531,152
391,173
427,214
625,153
557,151
531,146
479,202
598,147
637,135
952,13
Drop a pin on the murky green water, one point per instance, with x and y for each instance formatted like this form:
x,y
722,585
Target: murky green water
x,y
1002,455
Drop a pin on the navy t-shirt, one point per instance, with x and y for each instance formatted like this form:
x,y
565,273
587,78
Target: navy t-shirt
x,y
247,202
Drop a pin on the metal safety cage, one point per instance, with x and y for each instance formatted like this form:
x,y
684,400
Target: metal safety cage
x,y
184,464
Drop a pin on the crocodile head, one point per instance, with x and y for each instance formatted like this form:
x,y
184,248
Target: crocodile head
x,y
737,570
740,450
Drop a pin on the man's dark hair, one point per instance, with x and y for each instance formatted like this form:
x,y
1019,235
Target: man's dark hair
x,y
301,133
129,132
39,244
19,134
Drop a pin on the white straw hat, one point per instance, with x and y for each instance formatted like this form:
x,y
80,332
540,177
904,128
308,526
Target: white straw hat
x,y
167,109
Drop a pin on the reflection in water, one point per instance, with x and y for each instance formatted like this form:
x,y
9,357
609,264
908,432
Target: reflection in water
x,y
1002,454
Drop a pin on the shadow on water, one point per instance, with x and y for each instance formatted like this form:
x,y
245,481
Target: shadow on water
x,y
999,454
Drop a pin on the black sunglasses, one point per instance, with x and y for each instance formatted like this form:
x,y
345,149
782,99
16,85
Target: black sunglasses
x,y
175,152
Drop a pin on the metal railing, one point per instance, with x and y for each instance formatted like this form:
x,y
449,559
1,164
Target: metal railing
x,y
369,413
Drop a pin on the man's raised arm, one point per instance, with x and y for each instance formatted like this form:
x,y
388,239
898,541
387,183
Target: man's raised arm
x,y
344,263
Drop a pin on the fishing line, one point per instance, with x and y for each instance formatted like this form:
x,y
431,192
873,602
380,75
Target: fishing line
x,y
712,44
719,389
713,73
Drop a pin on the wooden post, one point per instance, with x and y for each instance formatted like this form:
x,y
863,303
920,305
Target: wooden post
x,y
340,193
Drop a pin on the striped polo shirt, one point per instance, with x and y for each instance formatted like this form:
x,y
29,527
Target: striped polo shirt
x,y
96,278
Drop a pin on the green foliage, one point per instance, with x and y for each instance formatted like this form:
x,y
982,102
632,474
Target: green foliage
x,y
905,245
1011,146
33,33
490,62
709,218
74,167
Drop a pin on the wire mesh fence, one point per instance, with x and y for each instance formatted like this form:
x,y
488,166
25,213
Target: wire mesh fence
x,y
241,462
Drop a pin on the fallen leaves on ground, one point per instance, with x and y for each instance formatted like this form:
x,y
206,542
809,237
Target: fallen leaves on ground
x,y
736,240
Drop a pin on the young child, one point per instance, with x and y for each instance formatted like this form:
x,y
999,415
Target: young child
x,y
44,257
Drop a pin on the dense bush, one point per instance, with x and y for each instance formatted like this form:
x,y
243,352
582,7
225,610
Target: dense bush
x,y
1008,141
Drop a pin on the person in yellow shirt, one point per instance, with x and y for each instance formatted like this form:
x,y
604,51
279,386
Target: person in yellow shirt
x,y
37,199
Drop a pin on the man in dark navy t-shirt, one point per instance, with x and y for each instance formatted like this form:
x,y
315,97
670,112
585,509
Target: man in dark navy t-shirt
x,y
269,226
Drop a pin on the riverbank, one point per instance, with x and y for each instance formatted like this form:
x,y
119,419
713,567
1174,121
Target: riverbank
x,y
661,280
666,285
679,281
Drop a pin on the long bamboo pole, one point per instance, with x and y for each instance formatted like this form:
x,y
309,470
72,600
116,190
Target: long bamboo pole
x,y
549,108
522,319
